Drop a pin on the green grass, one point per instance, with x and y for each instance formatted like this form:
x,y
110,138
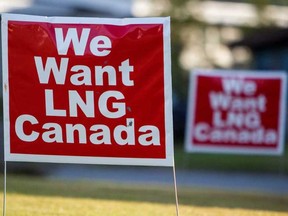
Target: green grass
x,y
34,196
231,162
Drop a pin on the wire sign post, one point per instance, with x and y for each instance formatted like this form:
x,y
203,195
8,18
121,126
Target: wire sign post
x,y
87,90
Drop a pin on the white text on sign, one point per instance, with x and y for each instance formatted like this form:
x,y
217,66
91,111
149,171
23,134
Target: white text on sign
x,y
55,69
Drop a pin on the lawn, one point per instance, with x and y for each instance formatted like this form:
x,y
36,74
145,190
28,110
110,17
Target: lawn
x,y
35,196
230,162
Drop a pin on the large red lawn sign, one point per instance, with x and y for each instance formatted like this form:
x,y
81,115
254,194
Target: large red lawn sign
x,y
236,112
87,90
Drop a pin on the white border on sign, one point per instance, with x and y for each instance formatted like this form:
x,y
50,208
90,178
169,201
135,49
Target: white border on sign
x,y
189,145
168,161
87,20
5,85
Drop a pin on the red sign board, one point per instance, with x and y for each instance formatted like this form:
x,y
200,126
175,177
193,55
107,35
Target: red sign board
x,y
236,112
87,90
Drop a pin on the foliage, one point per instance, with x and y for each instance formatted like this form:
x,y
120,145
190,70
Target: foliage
x,y
181,19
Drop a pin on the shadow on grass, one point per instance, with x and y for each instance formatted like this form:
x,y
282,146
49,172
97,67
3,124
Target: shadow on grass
x,y
37,186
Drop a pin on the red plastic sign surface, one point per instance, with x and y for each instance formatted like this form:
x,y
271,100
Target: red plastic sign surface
x,y
236,112
87,90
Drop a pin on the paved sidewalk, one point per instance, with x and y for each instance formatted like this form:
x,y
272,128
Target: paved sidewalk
x,y
253,182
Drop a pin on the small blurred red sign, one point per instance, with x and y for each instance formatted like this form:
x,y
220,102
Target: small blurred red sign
x,y
236,112
87,90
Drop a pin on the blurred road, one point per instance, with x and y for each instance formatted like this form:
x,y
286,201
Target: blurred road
x,y
233,181
248,182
